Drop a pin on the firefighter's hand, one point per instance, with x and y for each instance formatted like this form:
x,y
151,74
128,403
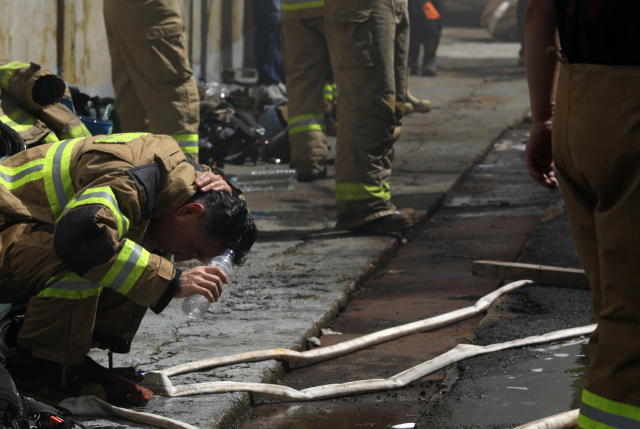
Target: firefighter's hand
x,y
205,281
212,182
539,156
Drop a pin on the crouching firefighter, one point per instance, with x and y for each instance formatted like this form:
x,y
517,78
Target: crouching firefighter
x,y
86,226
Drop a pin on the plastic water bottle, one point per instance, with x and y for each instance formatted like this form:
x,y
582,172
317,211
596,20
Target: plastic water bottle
x,y
196,306
267,180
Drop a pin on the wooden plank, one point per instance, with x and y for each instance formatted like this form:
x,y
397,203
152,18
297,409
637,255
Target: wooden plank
x,y
568,277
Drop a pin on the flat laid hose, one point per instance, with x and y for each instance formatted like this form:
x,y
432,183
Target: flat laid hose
x,y
325,353
564,420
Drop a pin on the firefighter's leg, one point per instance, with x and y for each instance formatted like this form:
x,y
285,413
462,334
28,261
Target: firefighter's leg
x,y
117,321
306,61
371,82
133,116
152,45
603,210
59,308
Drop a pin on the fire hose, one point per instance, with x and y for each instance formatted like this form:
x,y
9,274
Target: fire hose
x,y
158,381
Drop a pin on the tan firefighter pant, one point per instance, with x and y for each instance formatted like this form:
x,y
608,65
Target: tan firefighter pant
x,y
306,63
596,149
57,329
368,42
154,84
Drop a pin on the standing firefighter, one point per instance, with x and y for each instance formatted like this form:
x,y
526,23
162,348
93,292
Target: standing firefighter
x,y
84,227
155,88
593,119
368,42
306,64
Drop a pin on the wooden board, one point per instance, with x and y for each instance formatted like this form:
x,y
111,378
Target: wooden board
x,y
556,276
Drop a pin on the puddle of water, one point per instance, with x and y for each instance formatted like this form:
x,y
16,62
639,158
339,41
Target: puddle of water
x,y
532,389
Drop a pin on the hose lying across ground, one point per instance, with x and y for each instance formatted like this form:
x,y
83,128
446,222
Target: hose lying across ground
x,y
158,381
557,421
325,353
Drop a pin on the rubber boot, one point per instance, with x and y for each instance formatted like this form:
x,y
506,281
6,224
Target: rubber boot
x,y
412,104
429,60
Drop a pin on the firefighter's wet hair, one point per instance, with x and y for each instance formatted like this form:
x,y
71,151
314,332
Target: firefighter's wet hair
x,y
230,221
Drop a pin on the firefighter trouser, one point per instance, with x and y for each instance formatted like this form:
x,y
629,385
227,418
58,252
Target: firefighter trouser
x,y
368,42
60,329
306,63
155,88
596,130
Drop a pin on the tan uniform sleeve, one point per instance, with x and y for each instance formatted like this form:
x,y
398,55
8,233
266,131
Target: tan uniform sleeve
x,y
98,234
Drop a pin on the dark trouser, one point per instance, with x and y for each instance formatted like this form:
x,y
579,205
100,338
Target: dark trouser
x,y
55,328
596,130
425,32
266,46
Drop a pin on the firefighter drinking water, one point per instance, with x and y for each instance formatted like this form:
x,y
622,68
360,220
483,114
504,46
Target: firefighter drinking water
x,y
86,226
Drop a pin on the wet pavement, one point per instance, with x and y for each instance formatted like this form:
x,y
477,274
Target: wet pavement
x,y
301,273
491,215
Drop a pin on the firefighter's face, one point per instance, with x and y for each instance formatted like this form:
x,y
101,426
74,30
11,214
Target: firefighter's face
x,y
183,235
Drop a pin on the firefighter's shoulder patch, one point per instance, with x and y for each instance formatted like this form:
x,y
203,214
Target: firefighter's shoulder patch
x,y
120,138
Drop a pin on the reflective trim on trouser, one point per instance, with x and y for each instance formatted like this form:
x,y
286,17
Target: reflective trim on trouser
x,y
14,177
19,120
310,122
188,142
57,177
127,269
328,92
104,196
77,131
301,4
597,412
7,70
360,191
70,286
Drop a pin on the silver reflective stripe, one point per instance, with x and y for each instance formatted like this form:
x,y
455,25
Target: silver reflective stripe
x,y
56,175
126,270
10,179
296,1
66,285
305,122
108,197
184,143
608,419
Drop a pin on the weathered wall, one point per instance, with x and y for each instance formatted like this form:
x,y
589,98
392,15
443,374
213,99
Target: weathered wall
x,y
68,37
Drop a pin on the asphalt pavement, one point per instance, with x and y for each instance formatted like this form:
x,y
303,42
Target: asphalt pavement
x,y
301,272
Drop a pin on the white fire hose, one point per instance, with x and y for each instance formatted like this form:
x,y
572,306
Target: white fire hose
x,y
159,383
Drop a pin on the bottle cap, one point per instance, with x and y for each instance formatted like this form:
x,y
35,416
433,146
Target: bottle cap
x,y
230,253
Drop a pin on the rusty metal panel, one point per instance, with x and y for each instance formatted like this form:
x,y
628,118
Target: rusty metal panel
x,y
28,31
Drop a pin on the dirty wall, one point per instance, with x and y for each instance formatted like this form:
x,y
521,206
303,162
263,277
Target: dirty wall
x,y
68,37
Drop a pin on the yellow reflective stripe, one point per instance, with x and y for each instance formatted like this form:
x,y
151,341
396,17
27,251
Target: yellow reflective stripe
x,y
301,4
14,177
78,131
50,138
127,269
7,70
70,286
309,122
102,195
57,177
191,149
360,191
120,138
19,120
597,412
335,90
328,92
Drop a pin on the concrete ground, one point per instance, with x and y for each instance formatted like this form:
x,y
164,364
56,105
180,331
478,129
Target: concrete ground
x,y
301,272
